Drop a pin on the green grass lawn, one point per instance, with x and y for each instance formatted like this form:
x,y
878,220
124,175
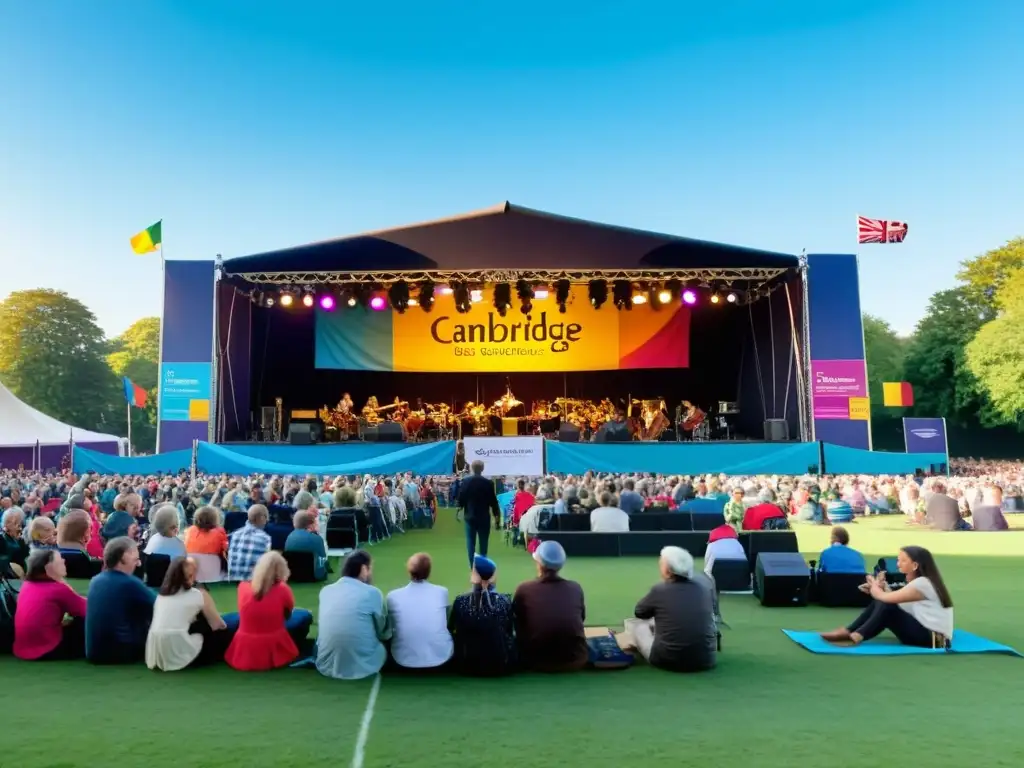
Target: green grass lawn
x,y
769,703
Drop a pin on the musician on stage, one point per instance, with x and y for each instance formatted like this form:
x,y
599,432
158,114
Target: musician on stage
x,y
345,404
692,417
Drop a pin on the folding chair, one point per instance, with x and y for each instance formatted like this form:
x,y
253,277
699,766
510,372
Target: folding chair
x,y
342,534
302,566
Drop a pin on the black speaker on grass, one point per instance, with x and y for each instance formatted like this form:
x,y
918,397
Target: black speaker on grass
x,y
781,579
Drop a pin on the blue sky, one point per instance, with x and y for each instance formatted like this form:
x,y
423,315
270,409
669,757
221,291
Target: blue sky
x,y
248,126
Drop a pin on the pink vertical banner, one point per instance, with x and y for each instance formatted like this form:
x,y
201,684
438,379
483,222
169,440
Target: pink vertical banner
x,y
833,383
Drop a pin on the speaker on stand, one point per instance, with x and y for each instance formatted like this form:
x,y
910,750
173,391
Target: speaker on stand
x,y
776,430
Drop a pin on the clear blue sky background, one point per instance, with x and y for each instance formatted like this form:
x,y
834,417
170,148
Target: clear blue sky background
x,y
248,126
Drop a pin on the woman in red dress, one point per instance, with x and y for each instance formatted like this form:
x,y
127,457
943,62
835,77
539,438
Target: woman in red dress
x,y
269,626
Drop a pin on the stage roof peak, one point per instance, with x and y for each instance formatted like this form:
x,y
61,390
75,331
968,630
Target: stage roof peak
x,y
506,236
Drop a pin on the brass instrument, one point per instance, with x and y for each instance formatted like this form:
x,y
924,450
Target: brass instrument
x,y
278,418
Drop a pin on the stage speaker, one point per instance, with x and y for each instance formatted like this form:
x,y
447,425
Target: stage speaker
x,y
568,433
613,432
776,430
781,578
301,434
385,432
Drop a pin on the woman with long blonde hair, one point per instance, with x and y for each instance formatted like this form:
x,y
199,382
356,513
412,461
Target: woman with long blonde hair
x,y
270,628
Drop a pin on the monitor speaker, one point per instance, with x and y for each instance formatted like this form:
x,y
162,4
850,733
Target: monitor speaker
x,y
776,430
613,432
781,578
300,434
568,433
385,432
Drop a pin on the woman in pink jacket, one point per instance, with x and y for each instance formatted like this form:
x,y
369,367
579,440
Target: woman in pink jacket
x,y
49,622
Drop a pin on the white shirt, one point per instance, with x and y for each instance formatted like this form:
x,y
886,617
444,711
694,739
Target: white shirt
x,y
169,646
609,520
723,549
929,612
419,612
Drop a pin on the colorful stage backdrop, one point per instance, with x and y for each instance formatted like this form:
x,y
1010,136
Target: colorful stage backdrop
x,y
581,339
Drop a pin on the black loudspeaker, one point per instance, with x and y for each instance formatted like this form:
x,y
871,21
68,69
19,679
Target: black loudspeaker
x,y
776,430
568,433
781,578
731,575
300,434
613,432
385,432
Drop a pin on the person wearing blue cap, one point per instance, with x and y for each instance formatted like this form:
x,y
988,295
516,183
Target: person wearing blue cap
x,y
549,614
482,625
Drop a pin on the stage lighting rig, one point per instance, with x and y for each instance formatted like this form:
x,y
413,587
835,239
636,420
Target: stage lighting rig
x,y
525,293
562,288
622,294
597,292
287,299
674,288
502,298
427,295
731,297
463,301
398,295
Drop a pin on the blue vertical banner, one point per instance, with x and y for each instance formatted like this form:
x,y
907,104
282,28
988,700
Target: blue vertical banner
x,y
186,354
838,371
925,436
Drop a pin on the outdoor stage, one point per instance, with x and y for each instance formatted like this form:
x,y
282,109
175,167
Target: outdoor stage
x,y
461,313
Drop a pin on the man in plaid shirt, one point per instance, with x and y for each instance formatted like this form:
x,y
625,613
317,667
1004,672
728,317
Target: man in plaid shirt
x,y
247,544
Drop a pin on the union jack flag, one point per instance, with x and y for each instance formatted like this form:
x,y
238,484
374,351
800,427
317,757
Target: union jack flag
x,y
880,230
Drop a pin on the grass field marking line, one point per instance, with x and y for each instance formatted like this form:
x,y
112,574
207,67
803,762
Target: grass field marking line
x,y
364,727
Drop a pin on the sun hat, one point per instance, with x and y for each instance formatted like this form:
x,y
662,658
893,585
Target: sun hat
x,y
550,554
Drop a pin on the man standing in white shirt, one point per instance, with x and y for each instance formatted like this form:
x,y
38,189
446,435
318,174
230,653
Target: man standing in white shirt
x,y
608,519
419,613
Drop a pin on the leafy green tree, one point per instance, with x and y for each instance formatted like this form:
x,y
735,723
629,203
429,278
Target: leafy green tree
x,y
52,356
136,354
984,275
996,355
935,360
884,351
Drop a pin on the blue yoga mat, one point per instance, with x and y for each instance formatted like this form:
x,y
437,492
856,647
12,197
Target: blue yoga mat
x,y
963,642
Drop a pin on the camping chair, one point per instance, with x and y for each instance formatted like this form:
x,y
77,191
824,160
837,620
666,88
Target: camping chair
x,y
156,568
302,566
342,534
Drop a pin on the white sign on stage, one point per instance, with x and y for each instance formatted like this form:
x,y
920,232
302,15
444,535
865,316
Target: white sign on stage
x,y
509,456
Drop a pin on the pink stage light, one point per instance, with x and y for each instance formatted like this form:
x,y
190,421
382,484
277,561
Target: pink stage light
x,y
327,303
689,297
378,303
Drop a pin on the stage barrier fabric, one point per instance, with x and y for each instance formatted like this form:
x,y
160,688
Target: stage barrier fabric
x,y
170,463
683,458
421,459
314,455
480,340
840,460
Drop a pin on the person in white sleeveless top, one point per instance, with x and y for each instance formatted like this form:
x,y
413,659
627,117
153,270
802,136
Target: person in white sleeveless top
x,y
174,642
916,613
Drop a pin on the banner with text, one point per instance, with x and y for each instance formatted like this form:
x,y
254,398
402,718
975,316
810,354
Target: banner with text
x,y
839,390
509,456
480,340
925,435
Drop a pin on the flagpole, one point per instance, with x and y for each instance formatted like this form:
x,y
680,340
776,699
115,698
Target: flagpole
x,y
129,430
160,362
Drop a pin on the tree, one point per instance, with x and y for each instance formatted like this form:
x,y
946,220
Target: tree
x,y
996,355
984,275
884,351
136,354
935,361
52,357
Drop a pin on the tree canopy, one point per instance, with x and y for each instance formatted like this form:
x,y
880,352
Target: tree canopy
x,y
995,356
136,354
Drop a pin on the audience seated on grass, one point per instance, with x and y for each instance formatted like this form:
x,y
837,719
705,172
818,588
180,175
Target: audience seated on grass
x,y
549,614
74,532
630,501
764,516
120,608
805,509
419,617
723,544
735,509
93,545
163,533
268,628
483,627
839,511
49,621
187,630
305,538
42,534
675,627
840,557
942,512
916,613
12,545
206,536
988,516
125,519
248,544
352,623
608,518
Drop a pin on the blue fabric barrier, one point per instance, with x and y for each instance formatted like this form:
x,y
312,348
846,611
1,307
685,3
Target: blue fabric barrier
x,y
170,463
963,642
422,459
683,458
315,455
840,460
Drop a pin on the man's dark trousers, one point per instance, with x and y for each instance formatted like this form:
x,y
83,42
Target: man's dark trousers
x,y
477,529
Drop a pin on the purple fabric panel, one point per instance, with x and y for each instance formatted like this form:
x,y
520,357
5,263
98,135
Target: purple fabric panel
x,y
52,455
176,435
188,312
234,361
852,434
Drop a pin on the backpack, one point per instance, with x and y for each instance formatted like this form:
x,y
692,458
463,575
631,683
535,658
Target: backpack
x,y
8,604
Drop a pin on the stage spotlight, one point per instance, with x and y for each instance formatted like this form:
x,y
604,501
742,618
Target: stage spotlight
x,y
673,287
270,301
731,297
378,303
413,303
476,296
622,294
398,295
525,293
689,297
715,298
540,294
427,295
287,299
502,298
664,296
639,298
308,300
562,288
327,303
597,292
446,290
352,301
463,301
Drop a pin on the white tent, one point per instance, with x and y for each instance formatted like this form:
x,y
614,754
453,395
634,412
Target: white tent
x,y
23,425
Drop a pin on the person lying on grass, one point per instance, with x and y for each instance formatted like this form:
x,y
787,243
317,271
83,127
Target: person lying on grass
x,y
913,613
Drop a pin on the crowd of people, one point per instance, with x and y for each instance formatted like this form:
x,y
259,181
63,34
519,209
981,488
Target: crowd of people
x,y
116,521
